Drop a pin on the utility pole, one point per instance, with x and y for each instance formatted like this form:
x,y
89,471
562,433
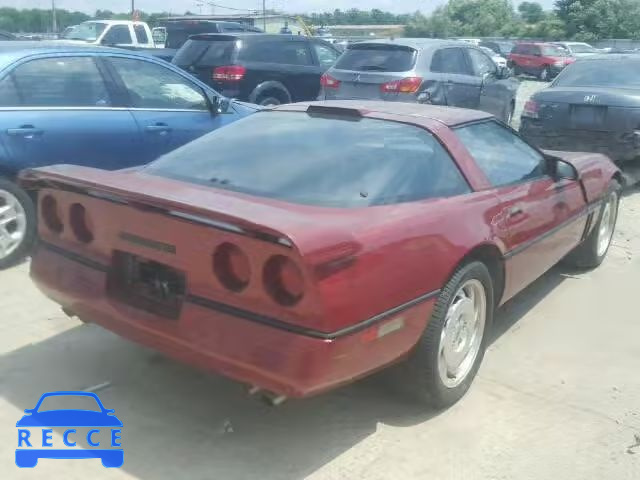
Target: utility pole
x,y
54,23
133,7
264,15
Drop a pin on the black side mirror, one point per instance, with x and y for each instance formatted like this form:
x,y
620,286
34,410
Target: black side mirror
x,y
219,104
562,170
503,72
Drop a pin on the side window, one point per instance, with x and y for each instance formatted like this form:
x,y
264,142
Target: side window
x,y
60,82
141,34
449,60
285,52
481,63
153,86
9,96
295,53
501,154
118,35
326,56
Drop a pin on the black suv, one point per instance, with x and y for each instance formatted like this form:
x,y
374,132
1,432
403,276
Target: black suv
x,y
258,68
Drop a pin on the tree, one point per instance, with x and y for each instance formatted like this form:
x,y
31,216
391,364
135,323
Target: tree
x,y
596,19
531,12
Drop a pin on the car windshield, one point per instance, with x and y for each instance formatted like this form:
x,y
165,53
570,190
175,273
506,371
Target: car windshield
x,y
582,48
553,51
69,402
89,31
377,58
318,160
601,73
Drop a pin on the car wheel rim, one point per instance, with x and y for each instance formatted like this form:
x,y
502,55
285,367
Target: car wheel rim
x,y
13,223
607,224
462,333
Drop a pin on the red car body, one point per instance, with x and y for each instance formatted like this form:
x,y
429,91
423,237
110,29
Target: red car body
x,y
370,276
531,58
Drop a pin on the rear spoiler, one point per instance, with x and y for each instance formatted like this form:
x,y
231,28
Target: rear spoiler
x,y
105,186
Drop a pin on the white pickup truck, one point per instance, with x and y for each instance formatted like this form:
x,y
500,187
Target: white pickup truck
x,y
121,33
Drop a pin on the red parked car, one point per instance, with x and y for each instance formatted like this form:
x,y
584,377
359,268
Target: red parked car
x,y
312,244
544,60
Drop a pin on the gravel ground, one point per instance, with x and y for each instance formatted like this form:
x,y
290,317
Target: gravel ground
x,y
558,395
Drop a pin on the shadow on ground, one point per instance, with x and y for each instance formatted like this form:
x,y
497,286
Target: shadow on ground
x,y
177,419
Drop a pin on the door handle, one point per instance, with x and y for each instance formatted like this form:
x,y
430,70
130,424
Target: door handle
x,y
161,128
27,131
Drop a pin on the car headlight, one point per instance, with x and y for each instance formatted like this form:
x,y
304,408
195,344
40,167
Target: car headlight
x,y
558,63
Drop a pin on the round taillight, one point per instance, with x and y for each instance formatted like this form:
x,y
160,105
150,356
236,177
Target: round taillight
x,y
283,280
50,214
80,223
232,267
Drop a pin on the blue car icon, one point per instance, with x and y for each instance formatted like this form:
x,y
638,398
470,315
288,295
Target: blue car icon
x,y
104,418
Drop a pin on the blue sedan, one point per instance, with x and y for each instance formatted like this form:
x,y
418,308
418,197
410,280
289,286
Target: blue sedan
x,y
100,107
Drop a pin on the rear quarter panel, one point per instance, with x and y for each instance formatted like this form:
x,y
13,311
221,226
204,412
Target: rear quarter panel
x,y
407,251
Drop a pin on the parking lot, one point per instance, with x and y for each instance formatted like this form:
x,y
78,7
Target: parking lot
x,y
557,396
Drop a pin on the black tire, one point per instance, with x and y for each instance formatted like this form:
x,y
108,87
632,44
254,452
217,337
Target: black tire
x,y
272,97
545,74
28,239
587,254
419,376
268,101
516,70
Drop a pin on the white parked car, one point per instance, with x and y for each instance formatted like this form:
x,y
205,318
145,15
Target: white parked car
x,y
578,49
499,60
123,33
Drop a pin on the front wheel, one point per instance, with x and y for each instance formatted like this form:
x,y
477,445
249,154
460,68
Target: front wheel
x,y
591,252
446,359
17,223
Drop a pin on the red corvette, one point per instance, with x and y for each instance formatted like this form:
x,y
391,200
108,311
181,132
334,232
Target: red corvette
x,y
309,245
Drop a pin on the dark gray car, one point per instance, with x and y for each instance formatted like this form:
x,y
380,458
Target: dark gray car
x,y
440,72
593,106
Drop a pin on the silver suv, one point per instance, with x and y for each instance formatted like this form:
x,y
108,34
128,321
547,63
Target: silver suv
x,y
441,72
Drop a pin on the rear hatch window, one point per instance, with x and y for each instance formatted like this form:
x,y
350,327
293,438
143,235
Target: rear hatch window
x,y
179,32
206,52
377,58
317,160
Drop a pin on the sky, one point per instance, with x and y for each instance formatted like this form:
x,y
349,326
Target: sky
x,y
293,6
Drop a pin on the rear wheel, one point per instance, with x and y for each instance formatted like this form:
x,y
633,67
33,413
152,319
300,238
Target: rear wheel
x,y
17,223
272,97
448,355
591,252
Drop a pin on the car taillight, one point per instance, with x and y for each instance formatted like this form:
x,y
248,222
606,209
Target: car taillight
x,y
232,267
531,109
50,214
80,223
283,280
406,85
229,73
327,81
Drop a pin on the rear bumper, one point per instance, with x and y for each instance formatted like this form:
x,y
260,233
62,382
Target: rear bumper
x,y
292,364
620,147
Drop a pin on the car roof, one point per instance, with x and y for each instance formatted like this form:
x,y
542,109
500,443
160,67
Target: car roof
x,y
14,50
417,43
609,57
449,116
246,35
